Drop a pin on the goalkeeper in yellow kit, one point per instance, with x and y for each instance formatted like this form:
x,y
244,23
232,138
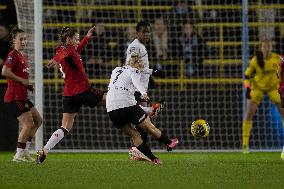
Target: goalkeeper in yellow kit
x,y
261,77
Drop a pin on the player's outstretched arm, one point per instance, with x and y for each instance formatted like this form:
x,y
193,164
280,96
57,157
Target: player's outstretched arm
x,y
52,63
91,31
86,39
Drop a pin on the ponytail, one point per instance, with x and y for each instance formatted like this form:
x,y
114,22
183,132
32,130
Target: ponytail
x,y
66,32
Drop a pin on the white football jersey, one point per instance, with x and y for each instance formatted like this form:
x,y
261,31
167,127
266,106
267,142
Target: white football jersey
x,y
123,83
139,48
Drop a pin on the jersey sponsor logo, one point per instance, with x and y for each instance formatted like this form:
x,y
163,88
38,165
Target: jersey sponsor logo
x,y
141,118
131,50
27,70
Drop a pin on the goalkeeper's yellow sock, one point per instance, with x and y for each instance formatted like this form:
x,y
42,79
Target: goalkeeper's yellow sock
x,y
247,125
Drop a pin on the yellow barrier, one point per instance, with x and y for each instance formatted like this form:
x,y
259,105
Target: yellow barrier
x,y
3,7
181,80
159,7
108,8
159,81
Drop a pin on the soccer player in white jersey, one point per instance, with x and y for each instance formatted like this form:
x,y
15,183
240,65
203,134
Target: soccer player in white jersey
x,y
124,111
143,30
138,46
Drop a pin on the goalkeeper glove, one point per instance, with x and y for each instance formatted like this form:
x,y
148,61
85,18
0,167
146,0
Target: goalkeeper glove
x,y
158,73
248,89
248,92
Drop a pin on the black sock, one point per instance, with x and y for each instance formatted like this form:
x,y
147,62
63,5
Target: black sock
x,y
144,148
143,134
64,131
164,139
21,145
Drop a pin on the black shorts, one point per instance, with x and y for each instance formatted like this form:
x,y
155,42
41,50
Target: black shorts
x,y
123,116
91,98
17,108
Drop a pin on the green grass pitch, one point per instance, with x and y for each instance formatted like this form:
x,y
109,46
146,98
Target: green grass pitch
x,y
114,170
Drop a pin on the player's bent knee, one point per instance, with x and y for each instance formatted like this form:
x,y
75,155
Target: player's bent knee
x,y
38,122
146,123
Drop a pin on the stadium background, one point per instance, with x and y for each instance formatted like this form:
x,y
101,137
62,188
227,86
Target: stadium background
x,y
214,94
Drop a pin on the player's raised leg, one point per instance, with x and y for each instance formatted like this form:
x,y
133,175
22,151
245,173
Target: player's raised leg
x,y
158,135
57,136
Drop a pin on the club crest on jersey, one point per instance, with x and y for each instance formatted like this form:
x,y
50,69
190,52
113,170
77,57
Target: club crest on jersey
x,y
26,105
9,60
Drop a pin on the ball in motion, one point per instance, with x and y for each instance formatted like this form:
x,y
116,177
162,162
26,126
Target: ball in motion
x,y
200,128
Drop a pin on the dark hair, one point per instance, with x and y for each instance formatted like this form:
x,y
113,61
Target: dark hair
x,y
259,59
4,24
13,34
142,24
66,32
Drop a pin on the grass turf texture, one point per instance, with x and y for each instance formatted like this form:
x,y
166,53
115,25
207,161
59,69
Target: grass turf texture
x,y
114,170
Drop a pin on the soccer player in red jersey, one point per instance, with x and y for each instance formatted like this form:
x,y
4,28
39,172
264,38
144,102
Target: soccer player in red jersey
x,y
77,89
16,70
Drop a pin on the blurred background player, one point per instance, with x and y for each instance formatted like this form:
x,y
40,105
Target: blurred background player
x,y
16,70
124,111
77,89
4,42
138,46
260,78
281,90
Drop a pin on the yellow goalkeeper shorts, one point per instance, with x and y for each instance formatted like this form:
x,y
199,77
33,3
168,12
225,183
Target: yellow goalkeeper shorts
x,y
257,95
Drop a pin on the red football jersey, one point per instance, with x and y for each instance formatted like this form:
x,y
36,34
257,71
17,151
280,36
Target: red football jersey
x,y
72,69
18,64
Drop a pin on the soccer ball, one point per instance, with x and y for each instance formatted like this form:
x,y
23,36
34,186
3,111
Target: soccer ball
x,y
200,128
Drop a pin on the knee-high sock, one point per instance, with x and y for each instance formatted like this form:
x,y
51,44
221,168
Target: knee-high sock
x,y
55,138
164,139
247,125
20,149
144,148
143,134
29,143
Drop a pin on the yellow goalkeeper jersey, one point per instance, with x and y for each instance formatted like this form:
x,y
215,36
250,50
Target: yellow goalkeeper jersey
x,y
264,78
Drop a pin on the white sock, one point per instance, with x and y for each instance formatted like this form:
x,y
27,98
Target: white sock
x,y
146,109
28,145
20,152
54,139
283,150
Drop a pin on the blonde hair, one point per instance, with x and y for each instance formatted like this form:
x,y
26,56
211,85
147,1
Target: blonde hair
x,y
134,60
